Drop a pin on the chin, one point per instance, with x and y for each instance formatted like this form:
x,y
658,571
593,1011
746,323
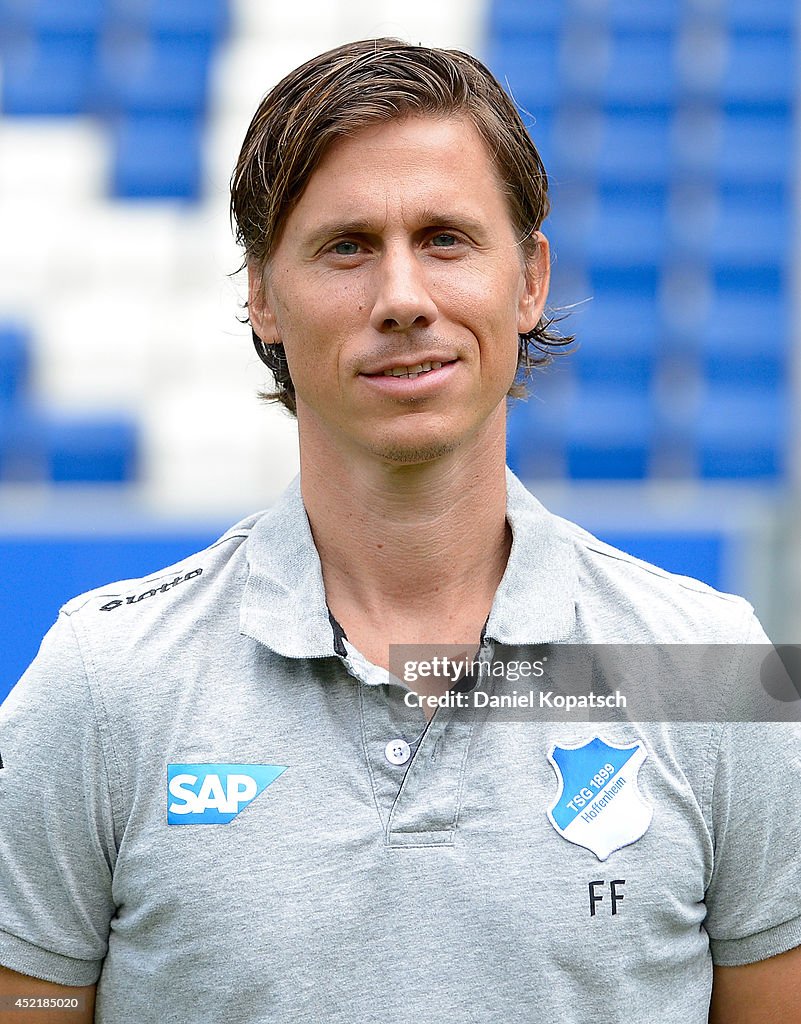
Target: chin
x,y
414,454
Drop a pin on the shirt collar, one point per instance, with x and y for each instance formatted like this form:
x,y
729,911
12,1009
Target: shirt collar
x,y
284,604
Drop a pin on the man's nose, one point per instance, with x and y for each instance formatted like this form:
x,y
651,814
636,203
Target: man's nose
x,y
403,299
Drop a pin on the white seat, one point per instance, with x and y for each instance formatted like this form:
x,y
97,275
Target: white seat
x,y
205,453
93,349
63,161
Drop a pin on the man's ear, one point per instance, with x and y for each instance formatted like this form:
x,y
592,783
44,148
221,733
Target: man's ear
x,y
260,313
537,276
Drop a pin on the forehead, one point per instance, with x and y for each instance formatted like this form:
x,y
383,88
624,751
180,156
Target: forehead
x,y
405,162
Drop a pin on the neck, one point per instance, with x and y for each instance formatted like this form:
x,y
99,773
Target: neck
x,y
409,544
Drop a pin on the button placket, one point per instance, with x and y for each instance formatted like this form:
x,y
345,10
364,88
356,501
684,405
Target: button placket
x,y
418,795
426,809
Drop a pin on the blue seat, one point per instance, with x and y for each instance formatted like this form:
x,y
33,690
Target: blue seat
x,y
630,229
157,157
741,432
206,18
635,147
735,225
636,282
751,280
634,14
746,337
761,68
610,433
540,128
513,18
91,449
50,75
618,341
22,446
537,427
642,72
61,16
744,145
14,363
575,142
147,77
758,147
37,447
689,551
753,227
529,68
761,14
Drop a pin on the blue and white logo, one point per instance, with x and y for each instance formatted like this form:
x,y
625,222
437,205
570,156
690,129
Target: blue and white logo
x,y
599,805
213,794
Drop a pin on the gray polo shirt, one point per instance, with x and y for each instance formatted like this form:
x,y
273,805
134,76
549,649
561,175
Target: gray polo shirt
x,y
214,807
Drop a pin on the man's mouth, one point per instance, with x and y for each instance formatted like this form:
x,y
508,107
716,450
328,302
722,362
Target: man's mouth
x,y
411,371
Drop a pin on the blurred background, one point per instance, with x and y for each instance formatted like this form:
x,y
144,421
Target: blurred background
x,y
130,434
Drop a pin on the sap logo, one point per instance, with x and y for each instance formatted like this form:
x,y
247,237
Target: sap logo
x,y
213,794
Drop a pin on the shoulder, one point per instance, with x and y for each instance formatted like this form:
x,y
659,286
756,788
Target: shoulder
x,y
634,601
176,588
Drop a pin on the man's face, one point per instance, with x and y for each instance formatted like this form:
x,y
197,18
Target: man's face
x,y
401,254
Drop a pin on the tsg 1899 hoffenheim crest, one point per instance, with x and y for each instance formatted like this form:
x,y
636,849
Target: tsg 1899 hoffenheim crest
x,y
599,805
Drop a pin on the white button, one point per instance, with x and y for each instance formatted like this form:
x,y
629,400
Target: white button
x,y
397,751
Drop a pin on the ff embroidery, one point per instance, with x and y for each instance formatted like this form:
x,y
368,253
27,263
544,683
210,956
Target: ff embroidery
x,y
598,804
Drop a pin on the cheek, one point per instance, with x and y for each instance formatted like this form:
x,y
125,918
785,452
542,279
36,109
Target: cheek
x,y
491,298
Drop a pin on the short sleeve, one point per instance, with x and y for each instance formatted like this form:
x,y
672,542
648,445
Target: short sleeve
x,y
754,896
57,847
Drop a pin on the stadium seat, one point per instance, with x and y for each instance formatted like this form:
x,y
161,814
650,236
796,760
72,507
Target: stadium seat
x,y
751,14
742,432
90,450
173,18
155,77
610,433
50,74
60,16
528,66
761,68
14,363
737,146
574,213
22,447
618,337
576,139
634,14
745,340
156,157
635,282
511,19
584,60
642,72
753,227
537,427
635,148
630,229
541,129
38,447
30,149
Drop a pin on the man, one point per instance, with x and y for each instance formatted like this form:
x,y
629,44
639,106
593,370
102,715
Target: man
x,y
218,805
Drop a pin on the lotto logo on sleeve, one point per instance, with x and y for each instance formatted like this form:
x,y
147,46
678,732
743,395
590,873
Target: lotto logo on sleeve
x,y
213,794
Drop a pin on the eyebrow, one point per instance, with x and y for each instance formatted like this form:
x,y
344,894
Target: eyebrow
x,y
428,218
335,228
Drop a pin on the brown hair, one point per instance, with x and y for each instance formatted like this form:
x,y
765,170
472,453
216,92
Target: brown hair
x,y
350,88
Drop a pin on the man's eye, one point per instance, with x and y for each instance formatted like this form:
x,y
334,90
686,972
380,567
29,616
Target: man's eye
x,y
346,248
443,240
